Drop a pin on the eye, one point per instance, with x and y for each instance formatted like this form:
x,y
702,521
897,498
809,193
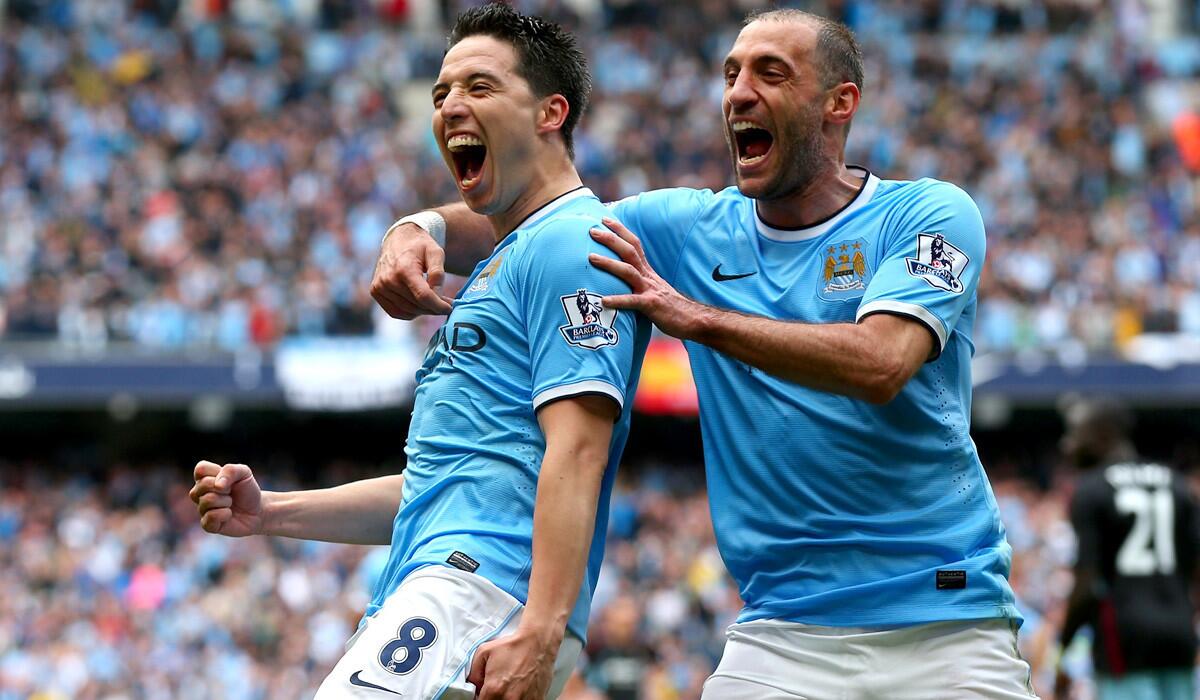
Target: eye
x,y
438,99
480,89
730,76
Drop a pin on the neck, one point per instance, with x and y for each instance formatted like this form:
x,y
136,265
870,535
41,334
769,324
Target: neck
x,y
546,185
824,195
1121,452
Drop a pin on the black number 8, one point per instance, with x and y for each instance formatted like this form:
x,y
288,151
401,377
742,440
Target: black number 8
x,y
414,635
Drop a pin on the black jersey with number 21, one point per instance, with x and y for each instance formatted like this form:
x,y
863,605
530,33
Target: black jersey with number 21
x,y
1136,525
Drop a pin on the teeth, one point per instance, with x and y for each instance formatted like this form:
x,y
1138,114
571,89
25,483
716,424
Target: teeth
x,y
462,141
742,126
751,161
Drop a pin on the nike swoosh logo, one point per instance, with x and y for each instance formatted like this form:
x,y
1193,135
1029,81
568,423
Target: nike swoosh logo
x,y
355,680
718,277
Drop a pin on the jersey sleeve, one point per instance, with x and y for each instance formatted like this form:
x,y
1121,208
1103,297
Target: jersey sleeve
x,y
576,345
662,220
931,261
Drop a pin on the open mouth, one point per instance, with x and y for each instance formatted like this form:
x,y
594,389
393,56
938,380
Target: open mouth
x,y
753,142
469,155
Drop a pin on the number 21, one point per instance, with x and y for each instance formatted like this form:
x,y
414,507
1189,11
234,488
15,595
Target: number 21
x,y
1150,545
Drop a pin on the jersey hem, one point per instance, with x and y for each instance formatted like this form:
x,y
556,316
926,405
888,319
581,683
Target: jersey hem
x,y
588,386
930,615
916,311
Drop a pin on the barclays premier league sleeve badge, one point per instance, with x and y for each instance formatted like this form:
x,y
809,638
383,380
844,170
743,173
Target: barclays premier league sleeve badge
x,y
938,263
589,324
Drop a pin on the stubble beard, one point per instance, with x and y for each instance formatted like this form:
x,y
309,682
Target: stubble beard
x,y
802,161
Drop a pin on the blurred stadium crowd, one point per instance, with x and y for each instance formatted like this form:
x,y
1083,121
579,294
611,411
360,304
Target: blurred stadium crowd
x,y
217,173
112,592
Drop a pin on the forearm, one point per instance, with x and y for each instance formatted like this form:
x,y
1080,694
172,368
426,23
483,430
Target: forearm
x,y
469,237
361,512
563,525
840,358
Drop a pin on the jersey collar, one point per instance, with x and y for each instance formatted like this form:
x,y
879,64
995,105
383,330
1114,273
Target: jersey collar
x,y
554,205
805,233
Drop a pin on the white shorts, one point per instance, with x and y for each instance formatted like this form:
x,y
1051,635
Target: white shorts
x,y
420,643
961,660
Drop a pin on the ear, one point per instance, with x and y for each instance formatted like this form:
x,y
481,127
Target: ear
x,y
552,114
842,103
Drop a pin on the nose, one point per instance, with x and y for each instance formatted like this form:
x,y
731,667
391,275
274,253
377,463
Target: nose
x,y
741,94
454,107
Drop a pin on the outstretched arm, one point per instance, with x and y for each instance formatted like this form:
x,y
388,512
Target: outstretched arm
x,y
231,503
412,265
578,434
871,360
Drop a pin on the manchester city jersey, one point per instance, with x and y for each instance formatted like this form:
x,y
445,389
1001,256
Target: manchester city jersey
x,y
527,329
829,510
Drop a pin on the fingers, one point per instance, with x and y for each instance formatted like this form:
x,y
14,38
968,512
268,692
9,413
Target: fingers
x,y
435,259
205,468
625,234
205,485
230,474
621,270
395,305
623,301
402,288
478,666
423,293
213,501
621,247
214,520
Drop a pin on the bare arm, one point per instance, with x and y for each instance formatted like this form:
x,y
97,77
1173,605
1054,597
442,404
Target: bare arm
x,y
361,512
412,266
231,503
871,360
578,434
1079,605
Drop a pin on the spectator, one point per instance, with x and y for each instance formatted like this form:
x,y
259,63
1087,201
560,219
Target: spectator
x,y
218,180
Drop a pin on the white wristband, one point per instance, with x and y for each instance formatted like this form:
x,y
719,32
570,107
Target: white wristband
x,y
433,223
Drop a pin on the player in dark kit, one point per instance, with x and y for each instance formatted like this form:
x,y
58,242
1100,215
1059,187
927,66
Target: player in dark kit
x,y
1136,525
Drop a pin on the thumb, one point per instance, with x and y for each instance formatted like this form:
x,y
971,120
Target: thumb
x,y
231,474
435,260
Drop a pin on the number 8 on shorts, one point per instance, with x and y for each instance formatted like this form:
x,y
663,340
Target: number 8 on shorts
x,y
402,654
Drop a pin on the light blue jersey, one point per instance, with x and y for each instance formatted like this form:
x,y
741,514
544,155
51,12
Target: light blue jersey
x,y
525,330
829,510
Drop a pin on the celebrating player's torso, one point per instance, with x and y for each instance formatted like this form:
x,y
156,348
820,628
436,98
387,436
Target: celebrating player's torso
x,y
828,510
524,331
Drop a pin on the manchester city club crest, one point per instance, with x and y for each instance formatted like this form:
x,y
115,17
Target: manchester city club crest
x,y
484,281
590,325
844,274
938,263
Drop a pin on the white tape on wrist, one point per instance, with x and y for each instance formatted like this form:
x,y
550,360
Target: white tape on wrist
x,y
433,223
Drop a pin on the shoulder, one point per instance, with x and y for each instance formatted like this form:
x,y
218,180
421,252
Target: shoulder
x,y
667,200
932,207
1092,487
562,239
927,195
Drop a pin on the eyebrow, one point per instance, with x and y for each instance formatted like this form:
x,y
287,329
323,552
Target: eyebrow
x,y
769,58
479,74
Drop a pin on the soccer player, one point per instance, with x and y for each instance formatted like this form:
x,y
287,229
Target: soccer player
x,y
1136,526
828,316
520,413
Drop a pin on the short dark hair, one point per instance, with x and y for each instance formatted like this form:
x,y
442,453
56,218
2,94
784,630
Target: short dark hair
x,y
548,57
839,57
